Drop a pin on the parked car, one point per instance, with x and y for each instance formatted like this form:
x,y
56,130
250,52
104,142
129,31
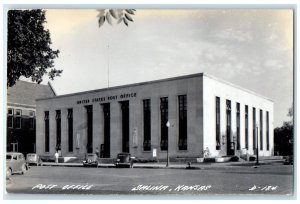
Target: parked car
x,y
124,160
15,163
90,160
33,158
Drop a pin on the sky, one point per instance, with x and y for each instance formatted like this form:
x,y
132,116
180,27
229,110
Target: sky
x,y
252,48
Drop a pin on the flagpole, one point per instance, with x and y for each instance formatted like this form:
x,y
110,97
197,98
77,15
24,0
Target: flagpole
x,y
108,65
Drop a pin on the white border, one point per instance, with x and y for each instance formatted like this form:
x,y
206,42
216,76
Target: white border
x,y
142,4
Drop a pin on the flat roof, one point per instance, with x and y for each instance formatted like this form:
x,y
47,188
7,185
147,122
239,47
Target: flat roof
x,y
236,86
154,81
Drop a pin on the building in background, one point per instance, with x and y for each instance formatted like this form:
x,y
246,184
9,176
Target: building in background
x,y
186,116
21,115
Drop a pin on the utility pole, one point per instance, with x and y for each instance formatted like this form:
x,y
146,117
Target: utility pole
x,y
167,165
108,65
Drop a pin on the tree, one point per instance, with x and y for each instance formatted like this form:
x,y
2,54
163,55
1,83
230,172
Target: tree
x,y
115,16
28,47
283,137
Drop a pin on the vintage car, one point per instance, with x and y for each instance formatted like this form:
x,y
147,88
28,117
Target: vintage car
x,y
33,158
124,160
15,163
90,160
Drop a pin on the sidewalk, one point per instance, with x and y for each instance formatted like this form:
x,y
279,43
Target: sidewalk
x,y
161,165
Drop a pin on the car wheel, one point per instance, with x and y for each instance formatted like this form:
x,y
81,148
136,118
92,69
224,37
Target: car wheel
x,y
24,168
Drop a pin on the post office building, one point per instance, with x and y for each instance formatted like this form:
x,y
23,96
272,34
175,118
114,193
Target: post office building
x,y
184,116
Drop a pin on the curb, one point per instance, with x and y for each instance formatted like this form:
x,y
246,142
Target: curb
x,y
178,166
164,167
74,165
113,166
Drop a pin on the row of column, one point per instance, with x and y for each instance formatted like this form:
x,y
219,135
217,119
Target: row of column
x,y
80,128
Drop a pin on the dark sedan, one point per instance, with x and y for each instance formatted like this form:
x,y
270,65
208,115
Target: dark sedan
x,y
90,160
124,160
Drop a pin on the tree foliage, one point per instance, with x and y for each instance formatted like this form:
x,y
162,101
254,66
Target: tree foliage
x,y
115,16
28,47
284,137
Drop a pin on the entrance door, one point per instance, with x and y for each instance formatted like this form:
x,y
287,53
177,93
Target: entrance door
x,y
106,146
125,126
230,144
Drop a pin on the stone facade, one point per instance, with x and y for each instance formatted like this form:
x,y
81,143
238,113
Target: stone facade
x,y
200,91
225,91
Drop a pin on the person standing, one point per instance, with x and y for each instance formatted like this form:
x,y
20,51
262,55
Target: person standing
x,y
97,152
56,157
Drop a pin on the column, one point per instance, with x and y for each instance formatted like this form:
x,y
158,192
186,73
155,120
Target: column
x,y
155,124
97,127
115,129
173,129
64,132
135,127
80,130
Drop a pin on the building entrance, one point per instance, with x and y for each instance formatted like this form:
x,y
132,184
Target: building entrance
x,y
125,125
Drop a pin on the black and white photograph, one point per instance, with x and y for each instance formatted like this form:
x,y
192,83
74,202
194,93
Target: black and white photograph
x,y
149,101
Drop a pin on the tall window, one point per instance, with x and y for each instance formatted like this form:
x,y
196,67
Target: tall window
x,y
31,119
147,124
70,129
47,139
261,129
218,124
10,118
254,127
238,126
58,129
125,125
163,122
230,144
18,118
267,129
89,113
182,142
246,128
105,148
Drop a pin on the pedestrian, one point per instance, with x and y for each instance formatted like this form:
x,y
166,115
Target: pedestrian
x,y
97,151
56,157
206,153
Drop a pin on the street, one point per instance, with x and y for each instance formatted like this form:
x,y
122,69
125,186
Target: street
x,y
267,179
